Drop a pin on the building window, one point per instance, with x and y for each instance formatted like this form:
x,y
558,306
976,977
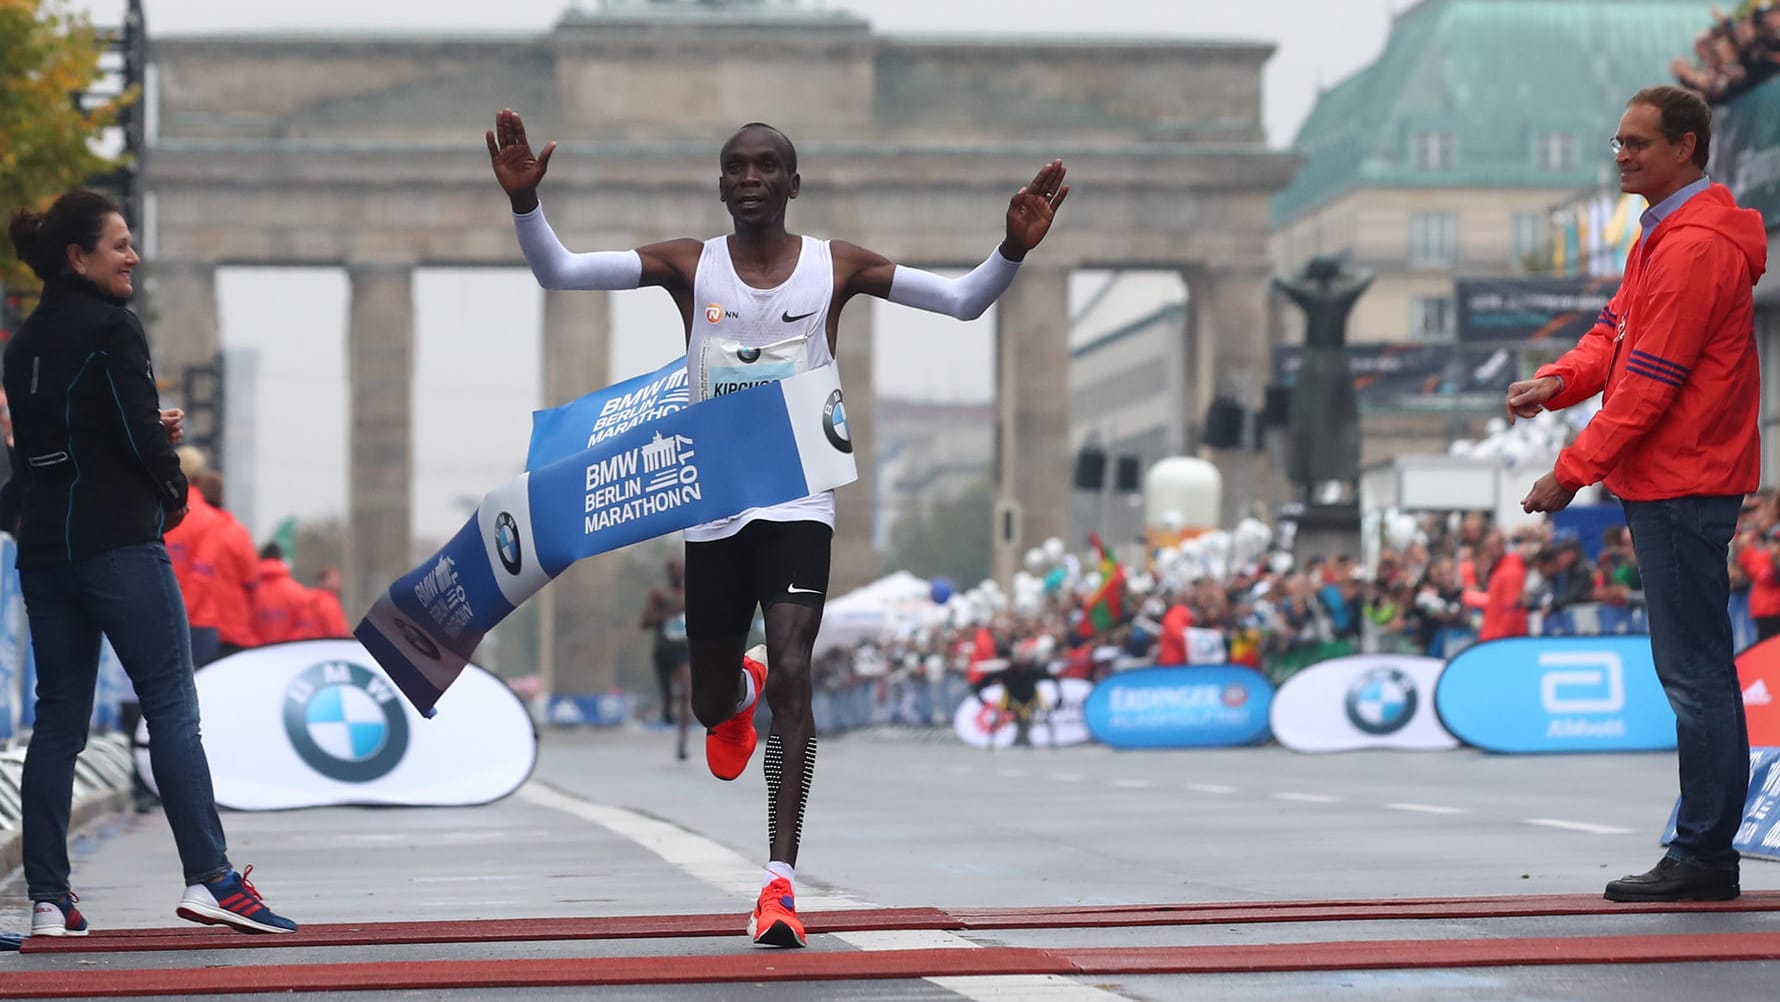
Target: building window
x,y
1433,149
1529,235
1556,152
1430,317
1433,239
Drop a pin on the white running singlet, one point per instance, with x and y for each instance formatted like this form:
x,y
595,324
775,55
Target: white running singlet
x,y
743,337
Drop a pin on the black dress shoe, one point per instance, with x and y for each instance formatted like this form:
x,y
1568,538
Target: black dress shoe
x,y
1673,880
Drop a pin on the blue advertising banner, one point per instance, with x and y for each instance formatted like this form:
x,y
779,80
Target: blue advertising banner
x,y
12,640
1759,834
561,432
1556,694
669,469
1195,707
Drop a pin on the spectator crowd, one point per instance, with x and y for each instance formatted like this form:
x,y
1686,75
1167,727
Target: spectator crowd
x,y
1438,583
1736,53
238,597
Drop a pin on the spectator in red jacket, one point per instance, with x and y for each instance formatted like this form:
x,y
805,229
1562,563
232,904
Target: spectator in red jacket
x,y
281,606
1758,557
237,572
1505,604
191,545
1674,357
324,608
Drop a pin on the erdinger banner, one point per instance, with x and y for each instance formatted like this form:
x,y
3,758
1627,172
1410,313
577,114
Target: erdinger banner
x,y
1209,707
1366,701
1556,694
1758,671
669,469
981,721
313,724
1759,833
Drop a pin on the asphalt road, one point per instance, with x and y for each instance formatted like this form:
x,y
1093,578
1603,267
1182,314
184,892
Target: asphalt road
x,y
611,825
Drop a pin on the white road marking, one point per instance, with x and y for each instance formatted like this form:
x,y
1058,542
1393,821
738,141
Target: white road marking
x,y
1577,826
1010,773
1426,808
1133,784
1210,788
1307,798
1066,777
728,871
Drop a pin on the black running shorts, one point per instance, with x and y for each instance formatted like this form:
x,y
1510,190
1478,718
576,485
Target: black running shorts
x,y
764,564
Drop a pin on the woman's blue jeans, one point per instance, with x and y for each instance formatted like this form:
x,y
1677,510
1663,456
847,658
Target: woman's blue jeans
x,y
128,594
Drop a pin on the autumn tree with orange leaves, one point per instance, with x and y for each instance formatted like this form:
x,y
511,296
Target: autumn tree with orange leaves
x,y
49,57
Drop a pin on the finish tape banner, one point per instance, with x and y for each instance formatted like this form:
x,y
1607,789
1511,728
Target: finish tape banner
x,y
1759,833
1556,694
312,723
1364,701
1205,707
669,468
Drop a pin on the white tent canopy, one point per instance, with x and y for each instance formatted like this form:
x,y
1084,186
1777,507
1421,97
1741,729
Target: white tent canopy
x,y
862,613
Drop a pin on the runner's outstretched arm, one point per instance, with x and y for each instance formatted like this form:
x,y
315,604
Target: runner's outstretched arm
x,y
554,266
1029,216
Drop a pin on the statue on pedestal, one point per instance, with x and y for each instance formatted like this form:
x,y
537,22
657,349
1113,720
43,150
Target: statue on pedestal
x,y
1324,436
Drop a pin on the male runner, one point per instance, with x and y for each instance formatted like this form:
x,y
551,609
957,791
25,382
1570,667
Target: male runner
x,y
760,305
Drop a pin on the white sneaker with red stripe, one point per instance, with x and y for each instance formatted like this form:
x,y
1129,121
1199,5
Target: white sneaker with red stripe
x,y
232,901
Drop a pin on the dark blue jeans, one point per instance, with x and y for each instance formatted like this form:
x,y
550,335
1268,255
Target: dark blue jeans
x,y
1683,549
130,595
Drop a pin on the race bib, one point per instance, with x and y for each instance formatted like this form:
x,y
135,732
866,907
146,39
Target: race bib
x,y
730,366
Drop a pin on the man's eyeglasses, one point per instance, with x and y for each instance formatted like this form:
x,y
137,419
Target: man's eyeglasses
x,y
1632,144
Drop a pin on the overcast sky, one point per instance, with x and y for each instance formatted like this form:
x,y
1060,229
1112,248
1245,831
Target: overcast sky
x,y
470,433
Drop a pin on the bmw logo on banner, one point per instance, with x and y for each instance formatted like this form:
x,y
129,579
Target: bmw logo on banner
x,y
1205,707
1367,701
316,723
1556,694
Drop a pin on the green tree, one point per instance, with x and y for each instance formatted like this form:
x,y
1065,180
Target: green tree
x,y
950,538
49,57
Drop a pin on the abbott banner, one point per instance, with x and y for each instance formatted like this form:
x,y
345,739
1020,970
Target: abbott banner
x,y
1366,701
314,724
1208,707
654,467
1556,694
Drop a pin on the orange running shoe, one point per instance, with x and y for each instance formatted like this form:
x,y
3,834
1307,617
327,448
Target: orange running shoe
x,y
730,745
774,922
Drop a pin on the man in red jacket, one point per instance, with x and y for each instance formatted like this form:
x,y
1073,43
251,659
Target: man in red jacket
x,y
1673,355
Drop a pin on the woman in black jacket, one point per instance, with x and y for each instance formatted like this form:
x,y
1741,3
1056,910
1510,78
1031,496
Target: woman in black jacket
x,y
96,482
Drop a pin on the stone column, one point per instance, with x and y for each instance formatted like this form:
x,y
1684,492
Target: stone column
x,y
1234,356
1032,404
180,315
380,371
588,611
855,561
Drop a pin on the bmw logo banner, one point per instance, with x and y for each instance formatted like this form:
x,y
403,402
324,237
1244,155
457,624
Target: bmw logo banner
x,y
312,723
1556,694
1366,701
652,468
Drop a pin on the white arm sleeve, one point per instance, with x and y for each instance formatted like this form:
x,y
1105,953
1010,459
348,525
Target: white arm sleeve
x,y
556,268
964,298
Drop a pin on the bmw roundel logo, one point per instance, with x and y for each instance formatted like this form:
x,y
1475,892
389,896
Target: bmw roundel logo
x,y
1382,701
506,542
749,355
345,721
834,423
416,638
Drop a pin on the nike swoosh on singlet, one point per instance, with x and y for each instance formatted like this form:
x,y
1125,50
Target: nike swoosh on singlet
x,y
795,590
788,318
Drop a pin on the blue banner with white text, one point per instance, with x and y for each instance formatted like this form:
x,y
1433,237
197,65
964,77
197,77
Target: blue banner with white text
x,y
655,466
1759,833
